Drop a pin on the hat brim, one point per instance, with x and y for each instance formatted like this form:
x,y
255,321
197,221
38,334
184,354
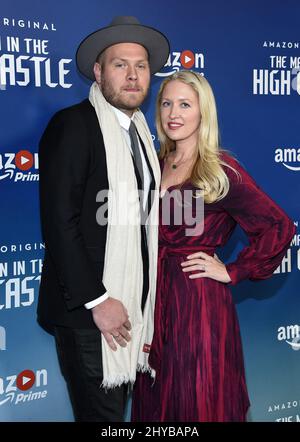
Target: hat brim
x,y
153,41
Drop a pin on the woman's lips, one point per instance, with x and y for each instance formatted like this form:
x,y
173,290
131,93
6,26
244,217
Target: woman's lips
x,y
174,126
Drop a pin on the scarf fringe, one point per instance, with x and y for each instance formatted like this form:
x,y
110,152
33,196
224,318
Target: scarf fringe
x,y
113,381
145,369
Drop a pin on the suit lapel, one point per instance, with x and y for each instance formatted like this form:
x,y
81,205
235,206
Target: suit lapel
x,y
152,182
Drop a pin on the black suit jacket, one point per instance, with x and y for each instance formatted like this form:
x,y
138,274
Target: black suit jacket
x,y
72,171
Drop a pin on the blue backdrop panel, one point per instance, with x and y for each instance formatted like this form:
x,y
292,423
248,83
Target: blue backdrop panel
x,y
250,52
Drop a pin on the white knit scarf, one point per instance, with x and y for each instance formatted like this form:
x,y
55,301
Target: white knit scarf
x,y
123,266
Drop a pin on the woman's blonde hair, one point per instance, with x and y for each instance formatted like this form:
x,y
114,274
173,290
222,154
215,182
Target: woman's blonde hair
x,y
207,173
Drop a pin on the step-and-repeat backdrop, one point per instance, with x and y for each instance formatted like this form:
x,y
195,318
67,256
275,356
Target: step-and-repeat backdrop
x,y
250,52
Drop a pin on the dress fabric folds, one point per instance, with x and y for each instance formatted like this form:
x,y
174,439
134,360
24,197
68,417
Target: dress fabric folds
x,y
196,349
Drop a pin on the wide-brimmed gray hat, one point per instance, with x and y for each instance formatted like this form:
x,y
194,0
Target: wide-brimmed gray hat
x,y
123,29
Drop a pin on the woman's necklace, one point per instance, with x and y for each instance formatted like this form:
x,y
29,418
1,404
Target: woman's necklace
x,y
174,166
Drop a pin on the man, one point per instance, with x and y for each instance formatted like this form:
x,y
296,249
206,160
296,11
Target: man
x,y
98,281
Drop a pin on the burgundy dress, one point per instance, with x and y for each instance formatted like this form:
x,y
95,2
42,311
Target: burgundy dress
x,y
196,349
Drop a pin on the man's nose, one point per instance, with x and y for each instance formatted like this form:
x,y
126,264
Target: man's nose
x,y
131,73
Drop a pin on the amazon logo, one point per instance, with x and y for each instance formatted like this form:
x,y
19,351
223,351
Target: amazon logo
x,y
21,387
19,166
290,335
289,158
186,59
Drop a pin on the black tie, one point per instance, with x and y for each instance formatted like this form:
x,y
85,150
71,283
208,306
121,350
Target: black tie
x,y
136,151
139,166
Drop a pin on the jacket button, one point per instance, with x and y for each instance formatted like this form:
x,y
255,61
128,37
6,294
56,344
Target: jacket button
x,y
67,296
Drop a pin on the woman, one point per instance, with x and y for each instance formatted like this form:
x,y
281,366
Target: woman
x,y
196,350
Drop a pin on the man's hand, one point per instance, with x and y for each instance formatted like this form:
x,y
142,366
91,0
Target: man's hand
x,y
112,320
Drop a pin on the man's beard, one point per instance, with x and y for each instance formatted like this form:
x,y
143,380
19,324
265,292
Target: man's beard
x,y
117,100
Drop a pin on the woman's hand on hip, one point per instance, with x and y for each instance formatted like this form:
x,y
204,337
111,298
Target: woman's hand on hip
x,y
205,266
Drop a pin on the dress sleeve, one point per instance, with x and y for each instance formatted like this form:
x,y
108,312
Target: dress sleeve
x,y
268,228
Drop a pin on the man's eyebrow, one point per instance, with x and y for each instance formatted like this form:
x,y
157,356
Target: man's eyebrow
x,y
126,59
